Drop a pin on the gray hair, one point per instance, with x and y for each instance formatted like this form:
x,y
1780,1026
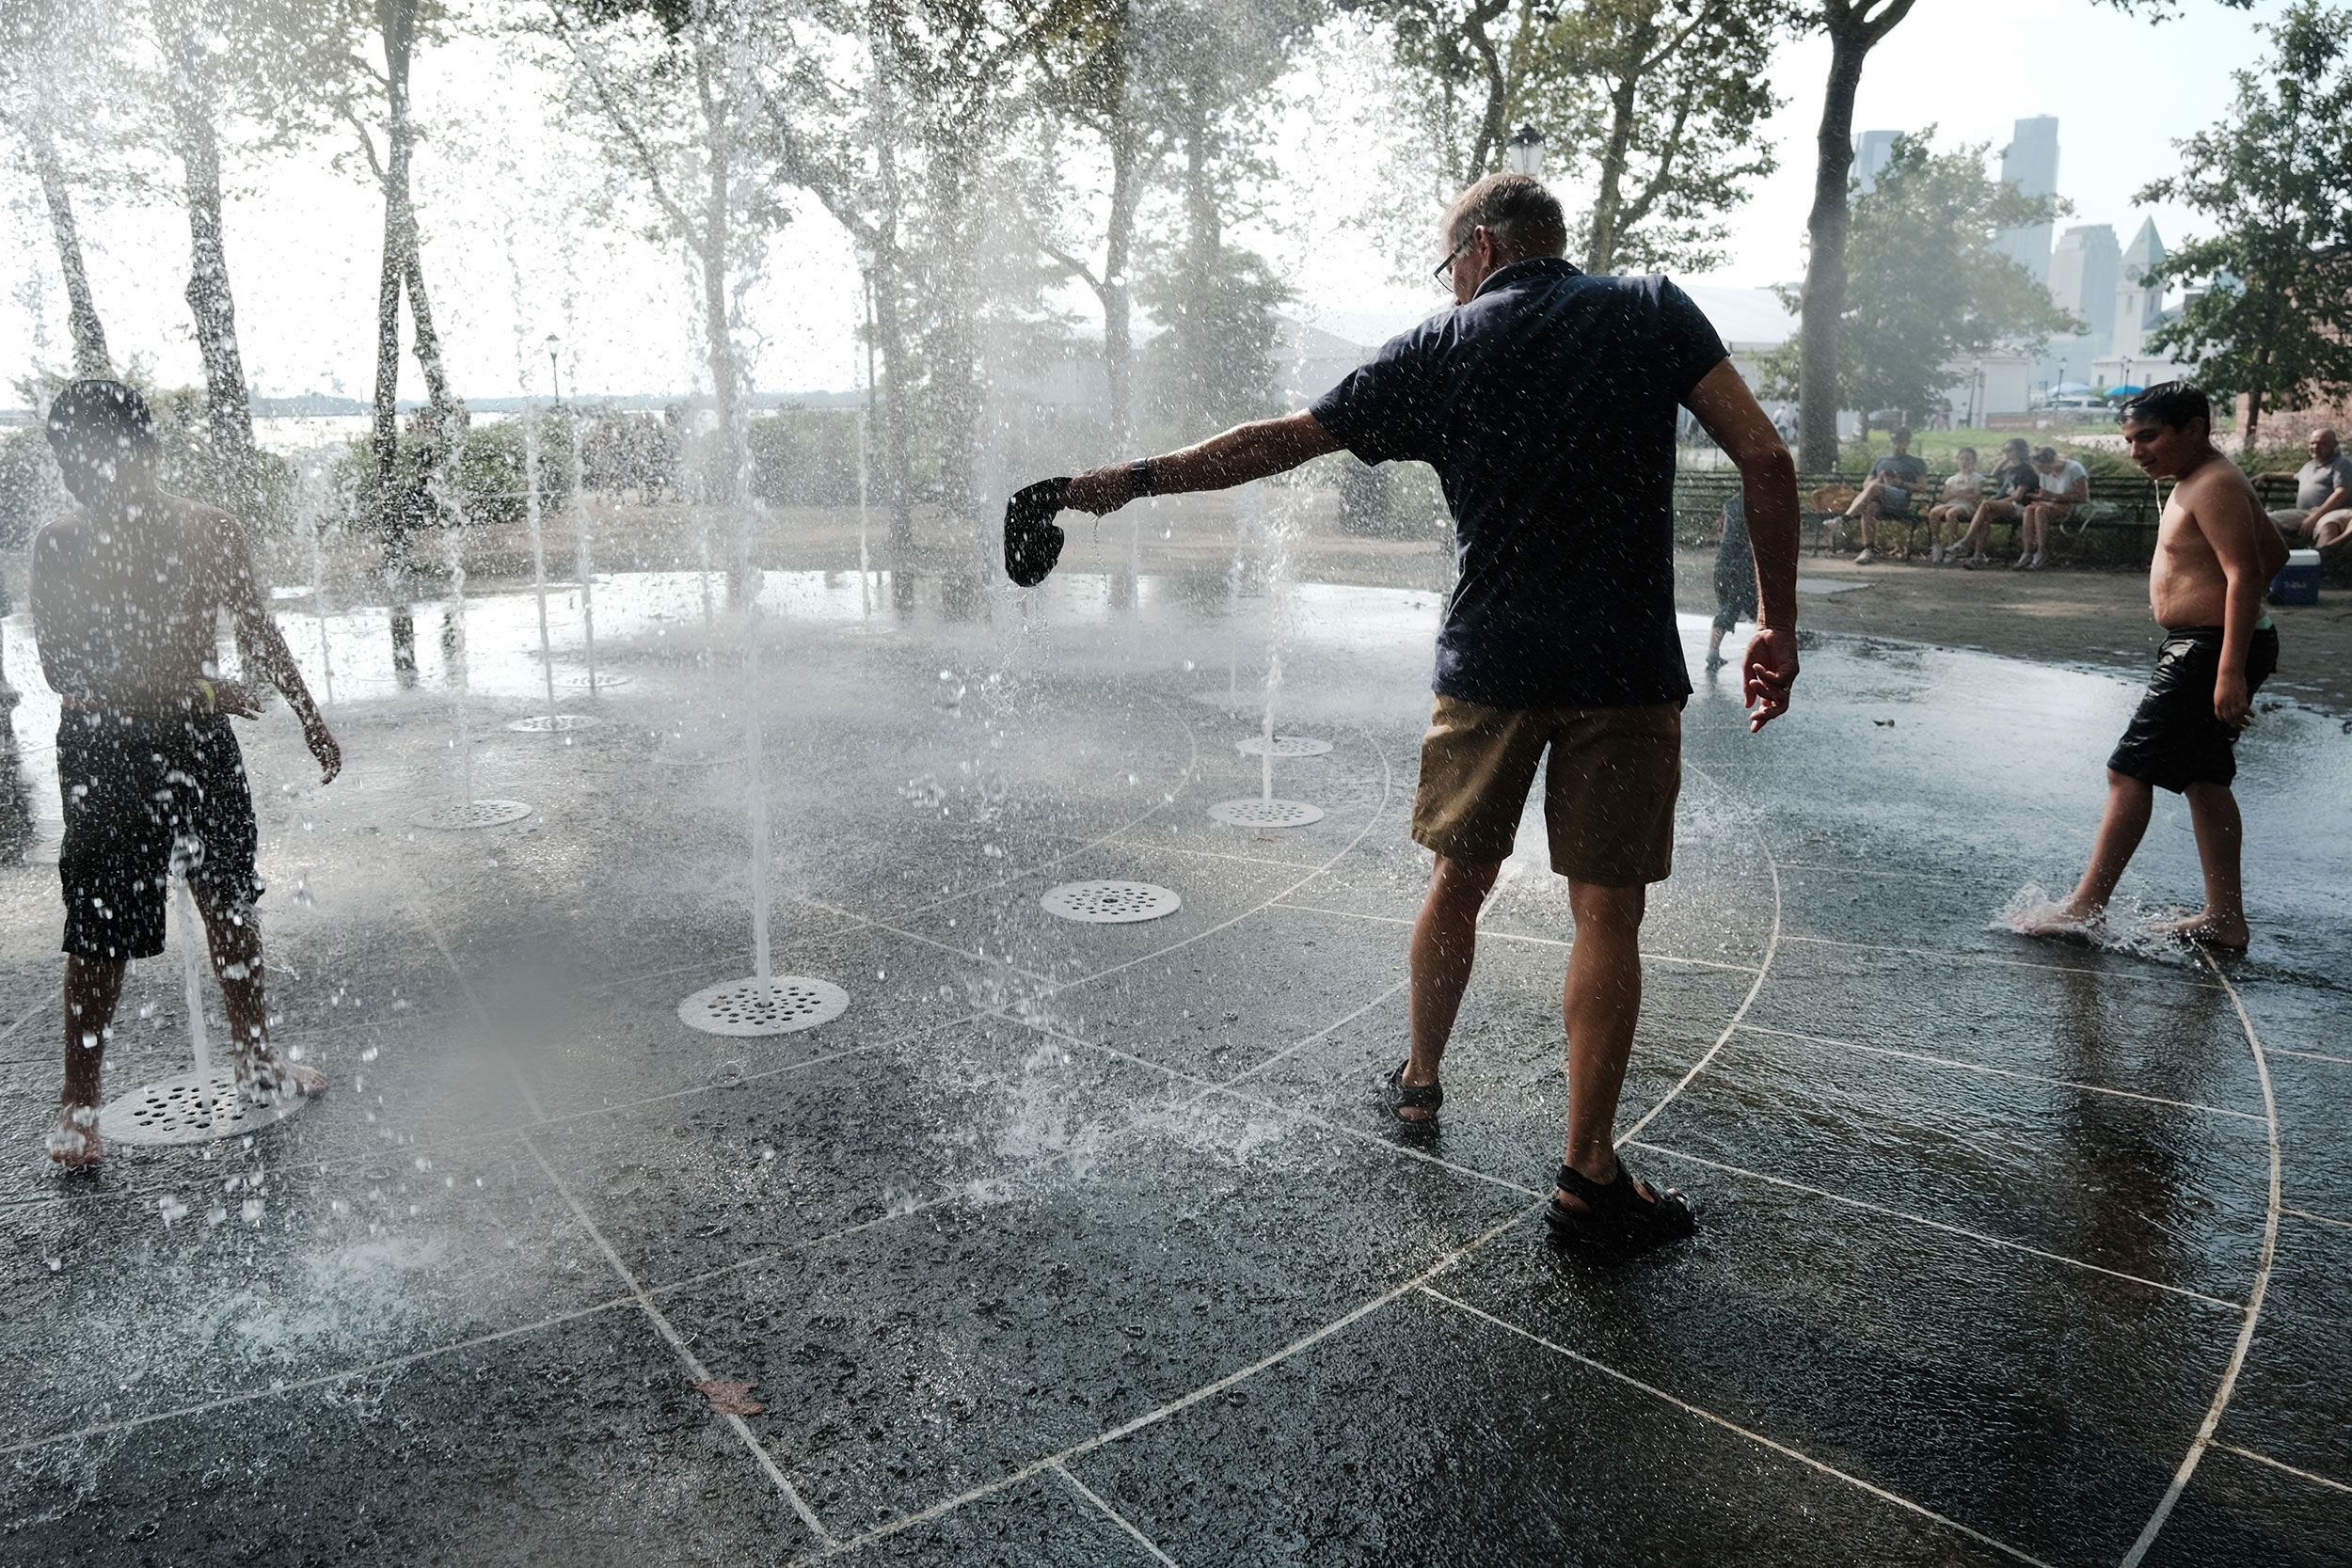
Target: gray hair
x,y
1523,218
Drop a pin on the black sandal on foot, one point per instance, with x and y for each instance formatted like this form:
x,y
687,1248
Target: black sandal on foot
x,y
1402,1097
1615,1211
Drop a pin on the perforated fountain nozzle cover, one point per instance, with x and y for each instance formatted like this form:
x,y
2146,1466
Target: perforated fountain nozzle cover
x,y
1032,542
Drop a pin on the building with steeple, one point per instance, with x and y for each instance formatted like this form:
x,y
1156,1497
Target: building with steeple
x,y
2138,297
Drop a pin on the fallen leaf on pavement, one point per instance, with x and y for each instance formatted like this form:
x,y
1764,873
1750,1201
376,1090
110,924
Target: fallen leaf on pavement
x,y
730,1398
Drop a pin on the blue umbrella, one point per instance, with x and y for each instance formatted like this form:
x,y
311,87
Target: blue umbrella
x,y
2125,392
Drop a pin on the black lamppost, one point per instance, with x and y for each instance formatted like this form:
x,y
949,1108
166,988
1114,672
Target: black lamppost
x,y
555,383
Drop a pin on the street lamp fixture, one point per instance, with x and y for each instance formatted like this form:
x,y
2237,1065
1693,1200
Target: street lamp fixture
x,y
555,382
1524,152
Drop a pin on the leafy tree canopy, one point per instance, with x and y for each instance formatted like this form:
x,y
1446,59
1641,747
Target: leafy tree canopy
x,y
2275,178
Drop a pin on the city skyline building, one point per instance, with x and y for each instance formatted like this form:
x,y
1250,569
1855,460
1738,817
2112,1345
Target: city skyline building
x,y
2031,163
2086,271
1872,152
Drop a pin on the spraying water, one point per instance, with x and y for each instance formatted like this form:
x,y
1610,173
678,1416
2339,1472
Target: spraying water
x,y
538,545
580,538
318,595
192,988
865,562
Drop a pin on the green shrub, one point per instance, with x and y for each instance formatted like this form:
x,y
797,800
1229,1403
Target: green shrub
x,y
805,457
488,473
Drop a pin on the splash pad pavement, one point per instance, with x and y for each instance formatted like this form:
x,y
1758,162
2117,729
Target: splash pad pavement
x,y
1082,1241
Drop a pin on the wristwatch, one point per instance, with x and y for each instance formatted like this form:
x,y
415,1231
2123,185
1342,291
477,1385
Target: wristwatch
x,y
1139,476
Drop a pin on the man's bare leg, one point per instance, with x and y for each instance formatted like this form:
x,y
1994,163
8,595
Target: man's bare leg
x,y
2120,828
234,935
93,988
1445,942
1600,1003
2220,836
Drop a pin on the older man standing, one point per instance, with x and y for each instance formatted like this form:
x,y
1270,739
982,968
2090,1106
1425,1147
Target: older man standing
x,y
2322,494
1546,402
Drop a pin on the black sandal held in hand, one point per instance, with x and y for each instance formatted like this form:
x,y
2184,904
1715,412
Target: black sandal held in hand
x,y
1615,1211
1402,1097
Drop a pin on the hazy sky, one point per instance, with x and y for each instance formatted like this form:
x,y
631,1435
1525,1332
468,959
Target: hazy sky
x,y
304,240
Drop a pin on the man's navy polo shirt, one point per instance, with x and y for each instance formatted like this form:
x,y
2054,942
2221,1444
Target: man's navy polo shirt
x,y
1548,406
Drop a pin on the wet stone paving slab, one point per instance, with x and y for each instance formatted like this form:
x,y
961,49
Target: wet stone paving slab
x,y
1086,1244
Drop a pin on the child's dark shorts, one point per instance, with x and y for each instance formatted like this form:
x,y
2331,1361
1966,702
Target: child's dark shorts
x,y
142,796
2174,741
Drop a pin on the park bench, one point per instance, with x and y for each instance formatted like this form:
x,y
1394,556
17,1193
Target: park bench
x,y
2122,507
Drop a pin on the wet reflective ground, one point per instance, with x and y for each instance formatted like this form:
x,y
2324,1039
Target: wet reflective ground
x,y
1085,1243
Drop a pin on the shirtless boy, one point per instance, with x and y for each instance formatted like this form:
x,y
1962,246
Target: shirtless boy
x,y
126,594
2216,550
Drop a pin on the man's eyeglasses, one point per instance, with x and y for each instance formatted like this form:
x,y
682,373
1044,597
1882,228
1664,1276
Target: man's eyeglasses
x,y
1443,272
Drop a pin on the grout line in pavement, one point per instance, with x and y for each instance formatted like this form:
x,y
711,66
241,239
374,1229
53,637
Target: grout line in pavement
x,y
2160,976
1489,935
1113,1514
1959,1066
2268,1260
1908,1218
1684,1405
2311,1476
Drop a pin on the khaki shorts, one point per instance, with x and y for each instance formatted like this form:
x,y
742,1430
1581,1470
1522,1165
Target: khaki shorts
x,y
1608,791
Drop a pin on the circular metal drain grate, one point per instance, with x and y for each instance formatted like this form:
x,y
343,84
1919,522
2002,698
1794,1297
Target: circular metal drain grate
x,y
458,818
1284,746
559,724
187,1110
1110,903
1254,812
580,682
782,1005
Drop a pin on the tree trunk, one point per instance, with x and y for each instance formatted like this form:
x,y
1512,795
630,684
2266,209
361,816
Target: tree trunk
x,y
1825,299
397,21
89,337
1119,351
718,331
1600,252
954,346
1204,240
228,409
898,424
2254,395
447,407
890,332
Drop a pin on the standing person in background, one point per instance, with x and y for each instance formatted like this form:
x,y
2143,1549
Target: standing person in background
x,y
2215,551
127,593
1547,401
1886,493
1735,578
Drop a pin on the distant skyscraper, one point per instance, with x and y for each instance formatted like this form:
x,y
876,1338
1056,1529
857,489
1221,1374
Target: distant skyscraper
x,y
2085,271
2138,301
2031,163
1872,150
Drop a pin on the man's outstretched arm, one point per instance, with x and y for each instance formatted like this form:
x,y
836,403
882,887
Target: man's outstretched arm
x,y
1728,412
1244,453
